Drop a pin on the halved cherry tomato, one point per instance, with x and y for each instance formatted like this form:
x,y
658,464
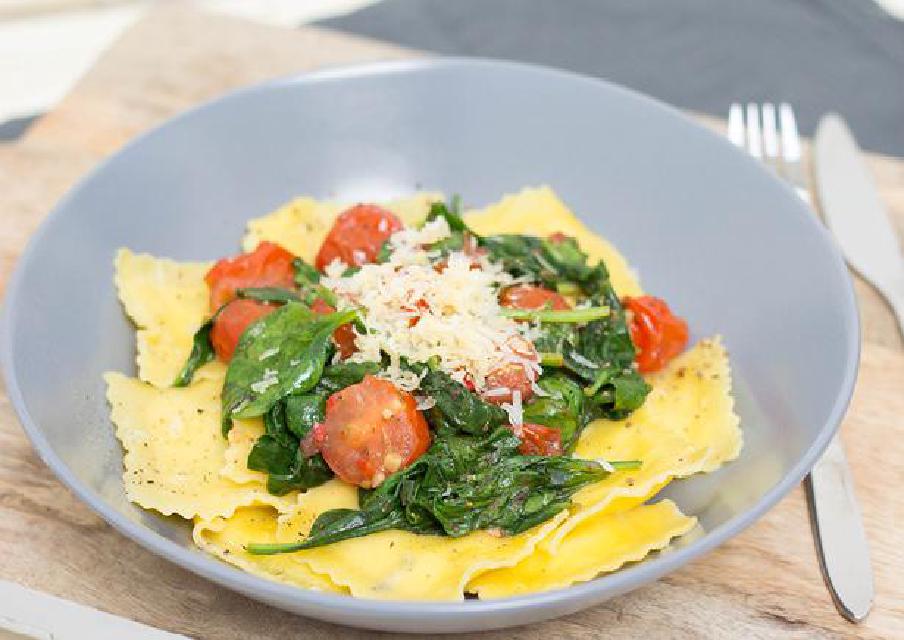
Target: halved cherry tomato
x,y
357,235
269,265
540,440
526,296
231,324
344,336
513,376
658,334
371,430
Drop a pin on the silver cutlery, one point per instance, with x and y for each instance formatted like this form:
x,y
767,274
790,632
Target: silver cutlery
x,y
855,213
771,135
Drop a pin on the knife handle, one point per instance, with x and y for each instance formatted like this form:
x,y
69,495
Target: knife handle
x,y
838,531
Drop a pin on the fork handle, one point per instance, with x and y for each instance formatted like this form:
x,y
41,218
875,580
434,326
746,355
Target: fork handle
x,y
841,543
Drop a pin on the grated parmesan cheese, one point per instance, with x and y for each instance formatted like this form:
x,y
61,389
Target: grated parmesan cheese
x,y
515,410
412,311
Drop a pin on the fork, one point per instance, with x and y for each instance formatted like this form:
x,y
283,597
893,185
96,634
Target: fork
x,y
835,518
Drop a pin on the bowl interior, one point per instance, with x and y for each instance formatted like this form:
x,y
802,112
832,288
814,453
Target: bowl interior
x,y
716,235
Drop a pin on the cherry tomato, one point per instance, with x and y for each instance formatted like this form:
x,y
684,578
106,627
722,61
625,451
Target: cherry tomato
x,y
344,336
231,324
269,265
526,296
513,376
658,334
357,235
557,237
539,440
371,430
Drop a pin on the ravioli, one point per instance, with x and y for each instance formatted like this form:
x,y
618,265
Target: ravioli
x,y
177,462
167,301
301,225
602,543
174,449
398,565
225,539
687,425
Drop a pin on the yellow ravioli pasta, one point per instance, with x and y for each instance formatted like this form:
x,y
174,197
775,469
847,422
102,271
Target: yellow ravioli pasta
x,y
241,439
687,425
225,537
398,565
177,462
174,449
301,225
539,212
601,544
167,301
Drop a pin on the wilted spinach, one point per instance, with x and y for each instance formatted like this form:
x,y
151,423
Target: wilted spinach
x,y
457,409
561,406
462,484
268,294
201,353
280,354
277,452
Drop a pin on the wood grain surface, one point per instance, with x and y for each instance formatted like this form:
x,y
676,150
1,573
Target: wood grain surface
x,y
765,583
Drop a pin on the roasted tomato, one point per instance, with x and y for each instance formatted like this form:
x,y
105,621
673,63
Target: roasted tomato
x,y
267,266
357,235
520,376
344,336
525,296
658,334
231,324
371,430
539,440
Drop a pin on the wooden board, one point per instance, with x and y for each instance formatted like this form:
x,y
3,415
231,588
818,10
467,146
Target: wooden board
x,y
764,583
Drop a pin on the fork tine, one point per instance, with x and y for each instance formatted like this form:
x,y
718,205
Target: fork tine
x,y
792,160
770,133
790,136
754,139
736,124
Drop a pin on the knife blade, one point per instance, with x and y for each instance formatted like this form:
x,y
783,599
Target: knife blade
x,y
854,212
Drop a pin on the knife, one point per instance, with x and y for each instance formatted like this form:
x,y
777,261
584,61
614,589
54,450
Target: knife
x,y
853,211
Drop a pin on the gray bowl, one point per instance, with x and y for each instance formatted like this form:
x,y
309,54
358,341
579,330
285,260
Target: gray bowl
x,y
709,229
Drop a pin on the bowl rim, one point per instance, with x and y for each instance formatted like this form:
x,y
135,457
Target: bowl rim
x,y
595,590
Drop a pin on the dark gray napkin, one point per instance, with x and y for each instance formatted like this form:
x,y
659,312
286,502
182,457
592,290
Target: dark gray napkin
x,y
819,55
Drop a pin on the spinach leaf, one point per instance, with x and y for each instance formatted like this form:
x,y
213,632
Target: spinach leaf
x,y
451,213
554,337
457,409
280,354
202,350
602,354
561,408
556,263
268,294
277,452
201,353
305,274
344,374
302,412
308,280
463,483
